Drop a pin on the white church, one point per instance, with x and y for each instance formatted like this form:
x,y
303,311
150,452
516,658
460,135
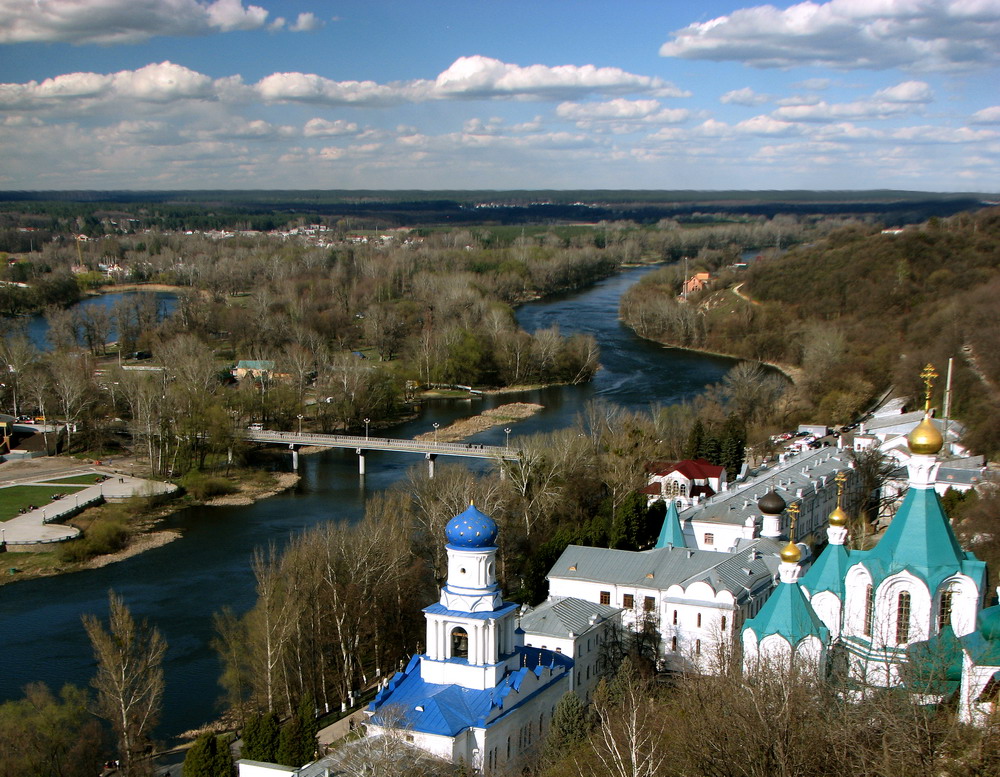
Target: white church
x,y
479,695
874,617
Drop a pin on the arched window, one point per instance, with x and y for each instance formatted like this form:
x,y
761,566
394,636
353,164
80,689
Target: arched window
x,y
869,610
697,647
723,623
903,618
944,612
459,643
673,644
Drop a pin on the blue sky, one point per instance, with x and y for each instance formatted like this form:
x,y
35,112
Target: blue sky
x,y
179,94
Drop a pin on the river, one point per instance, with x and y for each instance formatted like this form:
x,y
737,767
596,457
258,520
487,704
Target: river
x,y
179,586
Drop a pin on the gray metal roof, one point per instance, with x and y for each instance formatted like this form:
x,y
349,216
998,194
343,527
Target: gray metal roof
x,y
796,472
564,616
746,569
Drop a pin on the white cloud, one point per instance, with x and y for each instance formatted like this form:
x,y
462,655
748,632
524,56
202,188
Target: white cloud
x,y
306,22
121,21
906,92
814,84
900,99
484,77
161,82
989,115
744,96
613,109
318,128
469,78
849,34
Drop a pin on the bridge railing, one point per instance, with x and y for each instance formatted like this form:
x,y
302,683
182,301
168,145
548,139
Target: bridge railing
x,y
385,443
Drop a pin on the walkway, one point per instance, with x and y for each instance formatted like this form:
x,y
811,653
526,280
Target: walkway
x,y
361,443
41,525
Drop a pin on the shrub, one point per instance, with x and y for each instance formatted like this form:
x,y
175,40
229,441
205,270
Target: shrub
x,y
203,486
102,538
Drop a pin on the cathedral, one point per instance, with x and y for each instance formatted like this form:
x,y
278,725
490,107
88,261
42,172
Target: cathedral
x,y
479,695
880,617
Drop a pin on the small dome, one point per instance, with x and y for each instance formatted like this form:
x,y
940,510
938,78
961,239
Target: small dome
x,y
791,553
838,517
471,529
925,438
989,622
771,503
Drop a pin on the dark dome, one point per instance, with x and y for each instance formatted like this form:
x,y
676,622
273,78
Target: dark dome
x,y
771,503
471,529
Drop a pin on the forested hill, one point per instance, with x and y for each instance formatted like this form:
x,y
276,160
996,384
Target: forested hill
x,y
873,306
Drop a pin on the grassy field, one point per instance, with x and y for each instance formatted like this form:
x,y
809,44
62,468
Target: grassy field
x,y
86,480
14,498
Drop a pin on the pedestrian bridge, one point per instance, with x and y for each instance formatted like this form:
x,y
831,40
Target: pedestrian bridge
x,y
429,449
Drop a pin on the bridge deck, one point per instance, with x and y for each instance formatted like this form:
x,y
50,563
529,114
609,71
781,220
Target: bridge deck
x,y
361,443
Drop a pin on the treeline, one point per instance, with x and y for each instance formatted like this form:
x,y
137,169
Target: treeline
x,y
855,312
774,721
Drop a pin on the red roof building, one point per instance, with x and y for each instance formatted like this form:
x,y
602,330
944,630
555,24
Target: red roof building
x,y
686,482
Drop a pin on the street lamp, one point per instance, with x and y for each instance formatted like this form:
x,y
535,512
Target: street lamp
x,y
507,432
300,417
436,425
367,421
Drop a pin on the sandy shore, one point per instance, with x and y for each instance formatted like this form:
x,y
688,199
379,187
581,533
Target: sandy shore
x,y
498,416
249,494
139,543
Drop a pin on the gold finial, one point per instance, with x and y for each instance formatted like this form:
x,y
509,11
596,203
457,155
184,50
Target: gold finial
x,y
838,517
928,374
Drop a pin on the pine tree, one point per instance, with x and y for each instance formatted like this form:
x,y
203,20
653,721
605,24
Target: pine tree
x,y
569,727
733,445
695,441
293,746
260,738
200,760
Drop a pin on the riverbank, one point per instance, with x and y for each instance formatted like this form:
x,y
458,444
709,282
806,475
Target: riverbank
x,y
488,419
143,525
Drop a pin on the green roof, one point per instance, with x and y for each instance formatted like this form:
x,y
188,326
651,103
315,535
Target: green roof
x,y
788,613
920,540
828,572
671,532
934,663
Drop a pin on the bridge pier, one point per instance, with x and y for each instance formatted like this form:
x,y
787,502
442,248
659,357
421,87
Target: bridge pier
x,y
430,464
361,462
295,458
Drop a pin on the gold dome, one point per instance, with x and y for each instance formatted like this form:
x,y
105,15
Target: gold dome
x,y
925,438
838,517
791,553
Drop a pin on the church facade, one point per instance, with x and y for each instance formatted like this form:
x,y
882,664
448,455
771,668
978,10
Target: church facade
x,y
479,695
873,617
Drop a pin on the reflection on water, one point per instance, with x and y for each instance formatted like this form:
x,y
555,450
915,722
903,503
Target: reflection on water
x,y
179,586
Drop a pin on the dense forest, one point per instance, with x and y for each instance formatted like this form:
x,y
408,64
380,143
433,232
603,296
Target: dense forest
x,y
853,313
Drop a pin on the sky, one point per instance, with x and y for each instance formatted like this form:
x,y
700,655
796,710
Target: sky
x,y
499,94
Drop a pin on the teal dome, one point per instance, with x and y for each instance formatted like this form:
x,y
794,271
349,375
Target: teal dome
x,y
471,529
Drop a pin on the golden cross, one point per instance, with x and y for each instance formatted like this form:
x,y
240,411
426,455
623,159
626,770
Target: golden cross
x,y
793,512
928,374
840,478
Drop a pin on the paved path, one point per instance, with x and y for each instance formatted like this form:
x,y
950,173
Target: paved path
x,y
41,525
337,731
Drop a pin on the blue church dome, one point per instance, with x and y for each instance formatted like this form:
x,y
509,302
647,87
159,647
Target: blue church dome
x,y
471,529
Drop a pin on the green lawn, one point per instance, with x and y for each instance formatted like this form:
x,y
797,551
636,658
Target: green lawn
x,y
12,499
87,480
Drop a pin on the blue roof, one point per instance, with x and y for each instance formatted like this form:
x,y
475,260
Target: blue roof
x,y
828,571
920,540
447,709
439,609
787,612
671,532
471,529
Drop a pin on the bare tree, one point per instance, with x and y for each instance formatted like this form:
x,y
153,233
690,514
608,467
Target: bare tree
x,y
72,384
129,679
